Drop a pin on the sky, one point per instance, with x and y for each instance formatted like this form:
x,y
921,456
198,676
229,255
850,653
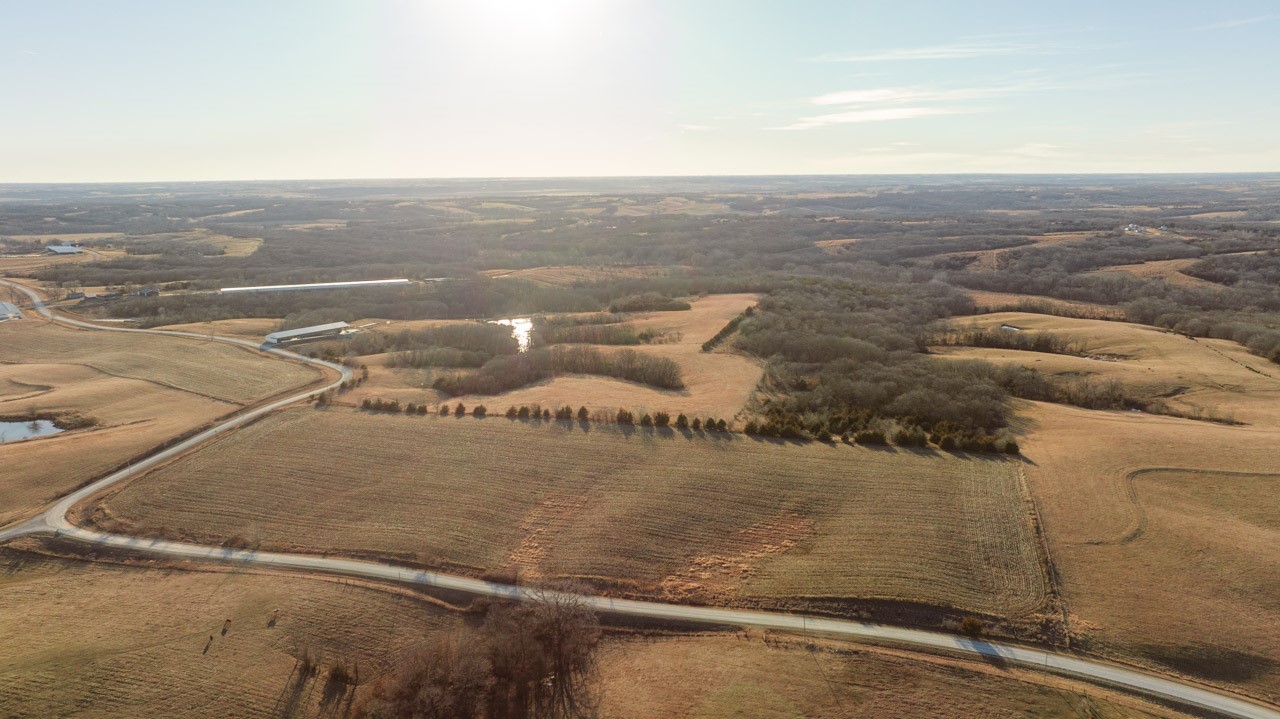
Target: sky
x,y
282,89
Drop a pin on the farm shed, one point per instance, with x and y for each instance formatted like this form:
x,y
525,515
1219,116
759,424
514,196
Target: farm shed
x,y
63,250
304,334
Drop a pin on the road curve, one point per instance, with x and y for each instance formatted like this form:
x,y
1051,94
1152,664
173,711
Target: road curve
x,y
54,521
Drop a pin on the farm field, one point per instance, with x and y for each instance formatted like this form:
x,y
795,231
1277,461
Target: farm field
x,y
1163,537
212,369
1170,270
727,676
128,641
94,640
569,275
1204,376
247,328
725,519
1165,542
133,416
141,390
1001,301
21,264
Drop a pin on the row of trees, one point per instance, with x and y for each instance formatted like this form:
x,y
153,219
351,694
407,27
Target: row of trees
x,y
1009,339
727,330
866,429
509,372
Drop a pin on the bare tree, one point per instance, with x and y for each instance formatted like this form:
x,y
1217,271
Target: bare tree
x,y
448,678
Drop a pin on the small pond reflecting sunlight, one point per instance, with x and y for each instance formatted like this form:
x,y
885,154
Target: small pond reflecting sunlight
x,y
12,431
521,327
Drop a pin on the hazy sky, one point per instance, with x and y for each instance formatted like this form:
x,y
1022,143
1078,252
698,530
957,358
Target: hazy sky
x,y
169,90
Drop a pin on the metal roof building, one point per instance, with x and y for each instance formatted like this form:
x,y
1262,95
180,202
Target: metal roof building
x,y
333,329
63,249
9,312
317,286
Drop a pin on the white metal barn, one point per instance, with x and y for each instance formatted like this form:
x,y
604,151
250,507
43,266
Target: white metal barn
x,y
317,286
303,334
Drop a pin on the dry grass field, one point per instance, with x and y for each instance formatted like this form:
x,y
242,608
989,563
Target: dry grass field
x,y
1169,270
141,389
575,274
93,640
834,247
1176,569
1163,530
1204,376
724,519
248,328
992,301
723,677
989,260
133,416
211,369
130,641
20,265
230,246
68,237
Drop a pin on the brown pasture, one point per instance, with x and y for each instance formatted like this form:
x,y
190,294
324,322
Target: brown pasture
x,y
992,301
1201,377
95,640
248,328
720,518
209,368
141,389
129,641
1169,270
1176,568
780,677
577,274
1163,529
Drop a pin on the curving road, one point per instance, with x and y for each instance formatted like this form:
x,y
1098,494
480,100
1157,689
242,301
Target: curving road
x,y
54,521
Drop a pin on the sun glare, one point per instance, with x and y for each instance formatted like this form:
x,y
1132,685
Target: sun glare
x,y
514,31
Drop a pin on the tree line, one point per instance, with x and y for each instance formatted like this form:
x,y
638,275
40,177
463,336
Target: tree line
x,y
504,373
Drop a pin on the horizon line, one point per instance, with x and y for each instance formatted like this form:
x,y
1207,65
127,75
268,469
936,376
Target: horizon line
x,y
1127,173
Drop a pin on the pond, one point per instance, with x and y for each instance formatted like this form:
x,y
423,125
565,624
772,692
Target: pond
x,y
12,431
521,328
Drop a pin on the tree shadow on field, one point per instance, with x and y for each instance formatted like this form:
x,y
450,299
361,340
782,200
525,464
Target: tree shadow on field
x,y
338,697
290,701
16,563
988,651
1210,662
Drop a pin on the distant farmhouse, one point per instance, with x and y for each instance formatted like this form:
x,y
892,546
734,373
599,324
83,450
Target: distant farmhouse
x,y
63,249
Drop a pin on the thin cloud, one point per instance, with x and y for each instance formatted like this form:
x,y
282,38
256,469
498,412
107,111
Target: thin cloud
x,y
884,114
695,128
952,51
1227,24
889,95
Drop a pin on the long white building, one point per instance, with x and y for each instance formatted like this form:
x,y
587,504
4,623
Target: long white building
x,y
318,286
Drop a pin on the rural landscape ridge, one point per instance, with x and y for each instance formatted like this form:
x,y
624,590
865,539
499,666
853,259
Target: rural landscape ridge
x,y
53,521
